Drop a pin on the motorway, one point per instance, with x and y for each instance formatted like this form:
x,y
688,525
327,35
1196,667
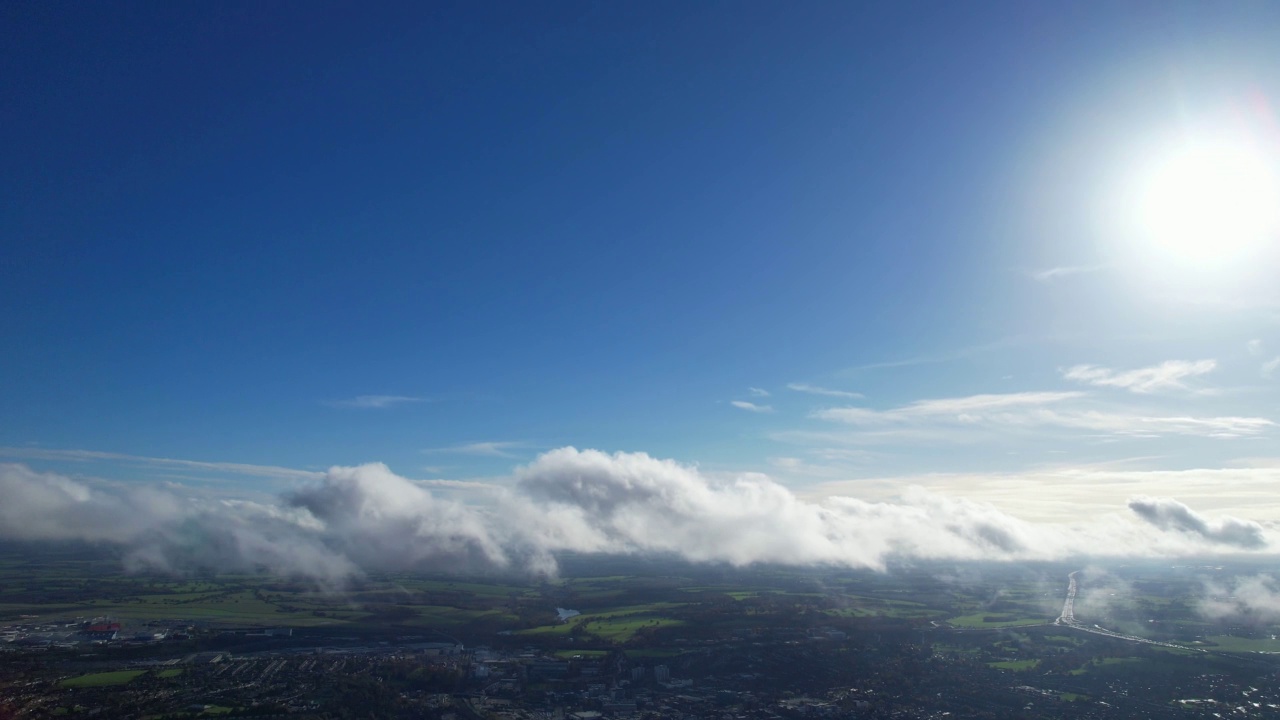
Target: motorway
x,y
1068,619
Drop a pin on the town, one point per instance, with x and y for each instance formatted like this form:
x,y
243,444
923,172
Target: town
x,y
649,644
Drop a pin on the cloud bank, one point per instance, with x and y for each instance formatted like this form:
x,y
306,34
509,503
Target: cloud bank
x,y
354,519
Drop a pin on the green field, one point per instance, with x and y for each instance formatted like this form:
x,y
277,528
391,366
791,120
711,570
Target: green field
x,y
620,630
615,625
987,620
1104,662
571,654
1016,665
1231,643
103,679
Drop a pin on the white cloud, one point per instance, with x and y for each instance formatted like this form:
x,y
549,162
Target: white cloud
x,y
1145,425
798,467
483,449
930,419
751,407
1067,493
374,401
959,408
1167,375
815,390
269,471
1246,599
354,519
1169,514
1064,271
758,392
960,354
1254,346
1269,367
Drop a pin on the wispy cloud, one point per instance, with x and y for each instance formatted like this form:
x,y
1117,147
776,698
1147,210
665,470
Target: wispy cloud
x,y
961,408
815,390
1242,599
1034,409
467,485
751,407
500,449
1269,367
1055,273
1067,493
374,401
1168,375
945,357
271,471
794,466
758,392
1119,423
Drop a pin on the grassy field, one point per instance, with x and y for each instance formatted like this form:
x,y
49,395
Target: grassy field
x,y
850,612
620,630
615,625
103,679
571,654
1231,643
1104,662
1016,665
987,620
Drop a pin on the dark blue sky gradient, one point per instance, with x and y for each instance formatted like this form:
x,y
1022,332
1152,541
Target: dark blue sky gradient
x,y
582,223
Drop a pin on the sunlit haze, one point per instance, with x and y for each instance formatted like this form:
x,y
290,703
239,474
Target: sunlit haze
x,y
1212,201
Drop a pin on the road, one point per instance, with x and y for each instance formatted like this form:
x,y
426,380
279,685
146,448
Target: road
x,y
1068,616
1068,619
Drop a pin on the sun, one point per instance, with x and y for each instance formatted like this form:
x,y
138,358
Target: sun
x,y
1210,201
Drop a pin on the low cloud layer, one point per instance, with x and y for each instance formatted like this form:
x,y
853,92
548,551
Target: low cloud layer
x,y
352,519
1169,514
1254,598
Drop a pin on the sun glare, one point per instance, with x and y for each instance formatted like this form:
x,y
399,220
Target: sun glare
x,y
1209,202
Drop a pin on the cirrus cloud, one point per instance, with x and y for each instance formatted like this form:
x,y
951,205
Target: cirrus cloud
x,y
1168,375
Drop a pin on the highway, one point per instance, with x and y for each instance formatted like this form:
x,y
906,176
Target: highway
x,y
1068,619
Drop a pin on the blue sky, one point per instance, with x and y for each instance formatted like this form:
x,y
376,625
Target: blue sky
x,y
852,246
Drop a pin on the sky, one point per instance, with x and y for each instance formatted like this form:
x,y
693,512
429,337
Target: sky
x,y
514,278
